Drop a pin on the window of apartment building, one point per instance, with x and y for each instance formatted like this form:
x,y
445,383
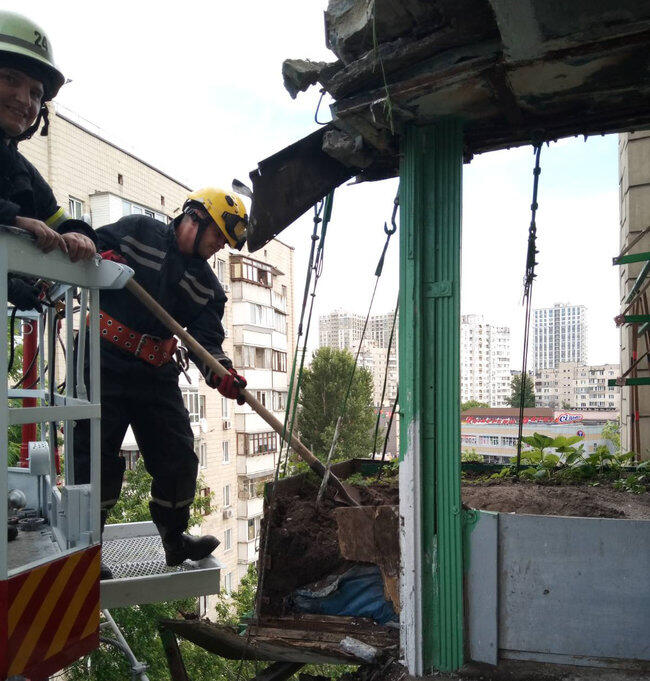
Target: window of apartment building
x,y
260,315
202,406
227,583
75,208
251,489
130,458
203,455
202,606
508,441
252,444
130,208
225,452
191,402
250,357
221,270
226,496
227,544
251,270
279,322
206,494
279,361
264,396
491,440
253,528
225,407
279,400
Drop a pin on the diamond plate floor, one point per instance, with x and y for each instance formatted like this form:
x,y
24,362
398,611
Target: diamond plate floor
x,y
137,557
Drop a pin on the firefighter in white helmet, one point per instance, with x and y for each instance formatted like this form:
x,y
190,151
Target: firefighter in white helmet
x,y
29,79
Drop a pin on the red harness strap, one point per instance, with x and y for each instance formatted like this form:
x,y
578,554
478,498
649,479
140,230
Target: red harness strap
x,y
151,349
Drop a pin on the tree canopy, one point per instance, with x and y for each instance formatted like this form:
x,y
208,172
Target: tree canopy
x,y
472,404
322,394
516,386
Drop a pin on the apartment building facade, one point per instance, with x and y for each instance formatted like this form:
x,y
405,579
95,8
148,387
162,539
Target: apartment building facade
x,y
559,335
485,361
97,181
577,386
343,330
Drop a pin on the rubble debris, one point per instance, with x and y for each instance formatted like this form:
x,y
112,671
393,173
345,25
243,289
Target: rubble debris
x,y
360,649
300,74
346,148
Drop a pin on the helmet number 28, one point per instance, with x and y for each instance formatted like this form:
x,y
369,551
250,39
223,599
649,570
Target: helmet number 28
x,y
40,40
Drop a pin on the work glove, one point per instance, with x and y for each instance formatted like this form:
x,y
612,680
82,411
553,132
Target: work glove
x,y
230,385
23,295
113,256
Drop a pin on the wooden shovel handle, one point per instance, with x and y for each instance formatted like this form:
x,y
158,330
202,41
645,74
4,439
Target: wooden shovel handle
x,y
221,371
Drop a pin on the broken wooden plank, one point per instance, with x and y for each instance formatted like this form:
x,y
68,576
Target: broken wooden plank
x,y
371,535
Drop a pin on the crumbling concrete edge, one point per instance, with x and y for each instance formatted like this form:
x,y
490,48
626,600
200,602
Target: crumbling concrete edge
x,y
411,552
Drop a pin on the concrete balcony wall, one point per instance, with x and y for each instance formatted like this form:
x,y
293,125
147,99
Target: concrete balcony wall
x,y
254,465
260,339
249,509
259,379
280,379
247,551
279,341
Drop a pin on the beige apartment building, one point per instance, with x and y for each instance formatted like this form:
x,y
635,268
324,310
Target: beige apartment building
x,y
95,180
634,195
577,386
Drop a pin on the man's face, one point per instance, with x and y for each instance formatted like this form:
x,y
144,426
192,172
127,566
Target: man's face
x,y
20,100
212,240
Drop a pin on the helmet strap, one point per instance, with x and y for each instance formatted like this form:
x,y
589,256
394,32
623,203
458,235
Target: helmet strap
x,y
201,225
43,115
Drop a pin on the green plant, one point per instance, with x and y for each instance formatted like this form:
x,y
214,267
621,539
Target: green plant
x,y
471,455
546,454
637,482
472,404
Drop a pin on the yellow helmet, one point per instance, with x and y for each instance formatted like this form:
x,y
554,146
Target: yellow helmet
x,y
227,210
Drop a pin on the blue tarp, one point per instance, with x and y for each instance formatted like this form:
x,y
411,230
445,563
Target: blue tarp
x,y
358,592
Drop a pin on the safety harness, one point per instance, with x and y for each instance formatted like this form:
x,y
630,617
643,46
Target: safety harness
x,y
156,351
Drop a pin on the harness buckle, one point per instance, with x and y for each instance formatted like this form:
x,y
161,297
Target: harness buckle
x,y
142,341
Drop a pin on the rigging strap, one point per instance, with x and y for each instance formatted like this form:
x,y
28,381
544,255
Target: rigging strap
x,y
529,277
378,272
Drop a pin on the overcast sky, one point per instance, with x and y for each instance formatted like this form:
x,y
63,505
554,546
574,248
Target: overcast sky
x,y
195,88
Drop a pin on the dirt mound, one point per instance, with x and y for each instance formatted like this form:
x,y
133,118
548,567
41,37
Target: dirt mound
x,y
562,500
303,544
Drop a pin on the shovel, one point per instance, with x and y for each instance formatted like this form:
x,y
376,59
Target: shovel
x,y
256,405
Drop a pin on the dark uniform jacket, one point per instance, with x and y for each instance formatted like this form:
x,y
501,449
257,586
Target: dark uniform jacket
x,y
185,286
23,191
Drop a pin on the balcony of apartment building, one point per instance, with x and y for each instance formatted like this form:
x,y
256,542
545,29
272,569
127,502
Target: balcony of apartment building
x,y
250,506
257,454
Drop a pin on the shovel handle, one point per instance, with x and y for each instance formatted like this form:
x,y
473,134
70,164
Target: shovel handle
x,y
221,371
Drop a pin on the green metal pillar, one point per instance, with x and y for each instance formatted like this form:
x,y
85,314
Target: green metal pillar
x,y
429,362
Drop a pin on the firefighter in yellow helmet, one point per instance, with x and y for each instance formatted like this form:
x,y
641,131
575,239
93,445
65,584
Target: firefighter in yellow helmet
x,y
28,79
139,380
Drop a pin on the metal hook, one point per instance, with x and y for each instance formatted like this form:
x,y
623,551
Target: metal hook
x,y
322,94
393,221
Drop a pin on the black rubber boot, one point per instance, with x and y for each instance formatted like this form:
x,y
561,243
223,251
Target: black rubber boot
x,y
104,570
182,547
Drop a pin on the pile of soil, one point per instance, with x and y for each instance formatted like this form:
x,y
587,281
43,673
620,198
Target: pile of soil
x,y
603,501
303,545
